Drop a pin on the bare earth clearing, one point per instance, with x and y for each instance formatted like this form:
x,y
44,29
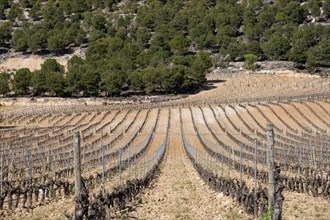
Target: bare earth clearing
x,y
33,62
179,193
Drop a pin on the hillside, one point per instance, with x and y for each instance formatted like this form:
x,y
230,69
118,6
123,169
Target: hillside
x,y
203,185
155,46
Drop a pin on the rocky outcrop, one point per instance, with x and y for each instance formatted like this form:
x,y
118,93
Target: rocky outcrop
x,y
263,66
269,67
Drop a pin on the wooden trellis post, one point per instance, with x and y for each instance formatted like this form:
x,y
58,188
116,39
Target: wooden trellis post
x,y
321,161
103,192
228,163
30,165
240,166
129,163
1,172
222,164
77,163
135,168
120,158
255,177
286,156
270,163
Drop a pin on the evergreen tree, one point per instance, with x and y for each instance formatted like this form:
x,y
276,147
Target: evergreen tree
x,y
4,83
180,43
37,41
5,33
314,6
74,75
49,79
21,81
113,82
250,61
15,12
56,42
19,41
277,47
55,83
38,81
326,8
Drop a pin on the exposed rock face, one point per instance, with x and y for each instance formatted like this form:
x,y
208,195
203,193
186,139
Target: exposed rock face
x,y
270,67
276,65
325,72
264,65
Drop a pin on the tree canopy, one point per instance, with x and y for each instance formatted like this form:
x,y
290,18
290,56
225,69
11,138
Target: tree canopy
x,y
4,83
158,46
22,81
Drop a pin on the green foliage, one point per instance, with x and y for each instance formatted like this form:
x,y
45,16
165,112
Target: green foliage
x,y
99,22
295,12
37,41
74,75
159,46
35,11
152,79
145,17
233,214
319,55
250,61
306,46
5,33
19,40
200,66
267,215
314,6
266,17
21,81
56,42
135,81
179,43
173,78
51,65
55,83
326,8
4,83
4,4
2,12
90,82
311,61
277,47
112,82
38,80
15,12
99,49
298,51
52,13
143,36
49,79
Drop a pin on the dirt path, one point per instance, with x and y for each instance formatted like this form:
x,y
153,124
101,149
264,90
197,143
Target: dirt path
x,y
179,193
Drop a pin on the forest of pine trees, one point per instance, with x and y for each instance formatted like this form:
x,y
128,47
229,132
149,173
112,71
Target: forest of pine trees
x,y
162,46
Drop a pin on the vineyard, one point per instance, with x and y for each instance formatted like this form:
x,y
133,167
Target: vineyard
x,y
209,148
